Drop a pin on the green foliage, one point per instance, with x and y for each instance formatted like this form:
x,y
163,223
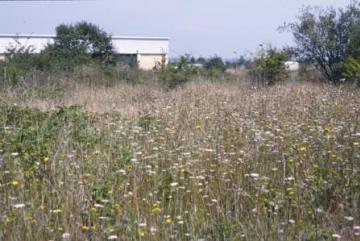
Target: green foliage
x,y
214,68
146,121
126,156
318,235
177,73
215,64
98,74
19,62
352,69
34,134
351,65
100,191
327,37
242,61
84,39
78,44
269,66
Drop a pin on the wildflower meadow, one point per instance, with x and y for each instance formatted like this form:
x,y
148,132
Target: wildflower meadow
x,y
207,161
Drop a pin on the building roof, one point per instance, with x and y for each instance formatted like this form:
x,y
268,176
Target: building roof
x,y
53,36
122,44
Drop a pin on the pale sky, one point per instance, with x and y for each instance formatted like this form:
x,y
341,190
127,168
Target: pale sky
x,y
198,27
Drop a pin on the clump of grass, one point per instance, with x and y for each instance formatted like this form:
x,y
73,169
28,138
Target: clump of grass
x,y
228,163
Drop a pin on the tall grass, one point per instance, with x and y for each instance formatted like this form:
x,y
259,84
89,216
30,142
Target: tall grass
x,y
209,161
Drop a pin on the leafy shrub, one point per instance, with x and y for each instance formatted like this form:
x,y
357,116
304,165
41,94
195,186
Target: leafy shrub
x,y
215,64
19,61
177,73
214,68
352,70
269,66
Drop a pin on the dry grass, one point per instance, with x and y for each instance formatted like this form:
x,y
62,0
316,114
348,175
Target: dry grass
x,y
210,161
134,100
129,100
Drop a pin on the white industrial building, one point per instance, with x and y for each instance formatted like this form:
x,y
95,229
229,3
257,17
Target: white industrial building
x,y
147,51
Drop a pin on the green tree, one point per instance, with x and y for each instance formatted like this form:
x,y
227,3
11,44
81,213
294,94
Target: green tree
x,y
78,44
325,37
201,60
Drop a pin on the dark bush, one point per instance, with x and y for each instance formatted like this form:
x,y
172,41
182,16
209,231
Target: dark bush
x,y
215,64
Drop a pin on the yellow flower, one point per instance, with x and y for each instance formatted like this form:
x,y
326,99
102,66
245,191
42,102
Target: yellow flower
x,y
15,183
84,228
57,211
168,220
328,129
141,233
156,210
303,148
46,159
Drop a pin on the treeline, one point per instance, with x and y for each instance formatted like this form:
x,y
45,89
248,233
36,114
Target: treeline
x,y
327,40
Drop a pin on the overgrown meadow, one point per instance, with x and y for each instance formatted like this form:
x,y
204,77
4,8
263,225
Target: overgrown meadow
x,y
207,161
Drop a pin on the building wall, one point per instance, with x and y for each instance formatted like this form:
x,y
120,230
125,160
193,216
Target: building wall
x,y
150,61
35,43
143,45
